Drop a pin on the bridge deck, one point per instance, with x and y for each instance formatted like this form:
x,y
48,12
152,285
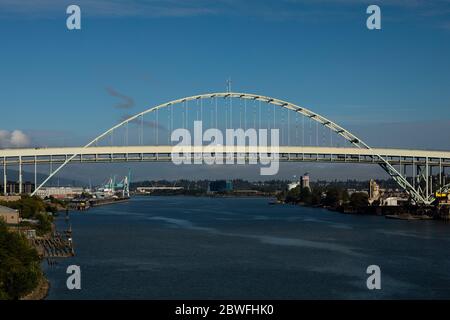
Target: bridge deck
x,y
163,153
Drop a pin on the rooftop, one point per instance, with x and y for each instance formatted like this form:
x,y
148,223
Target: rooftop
x,y
7,210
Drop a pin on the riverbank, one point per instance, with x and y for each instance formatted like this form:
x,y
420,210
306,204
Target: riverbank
x,y
389,212
40,292
20,266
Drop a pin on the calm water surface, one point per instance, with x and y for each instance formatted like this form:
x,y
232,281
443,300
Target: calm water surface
x,y
243,248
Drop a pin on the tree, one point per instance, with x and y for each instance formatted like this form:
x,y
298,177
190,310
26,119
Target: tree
x,y
34,208
45,223
345,197
359,200
293,195
305,195
19,265
333,196
316,196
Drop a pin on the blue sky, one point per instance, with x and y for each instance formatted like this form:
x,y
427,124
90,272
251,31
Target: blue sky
x,y
58,86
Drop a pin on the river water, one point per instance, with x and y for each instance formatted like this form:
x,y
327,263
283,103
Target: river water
x,y
244,248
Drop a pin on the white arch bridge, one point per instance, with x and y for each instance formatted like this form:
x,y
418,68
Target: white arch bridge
x,y
419,172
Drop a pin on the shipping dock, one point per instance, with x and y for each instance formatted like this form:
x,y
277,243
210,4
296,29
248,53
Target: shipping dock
x,y
110,192
107,201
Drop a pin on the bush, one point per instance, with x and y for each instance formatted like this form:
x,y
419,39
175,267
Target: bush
x,y
333,196
45,224
19,265
27,206
359,200
33,208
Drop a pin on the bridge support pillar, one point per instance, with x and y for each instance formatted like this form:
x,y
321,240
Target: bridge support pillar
x,y
20,176
35,172
5,179
427,189
443,177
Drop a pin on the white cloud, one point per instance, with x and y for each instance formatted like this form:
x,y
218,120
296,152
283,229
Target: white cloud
x,y
13,139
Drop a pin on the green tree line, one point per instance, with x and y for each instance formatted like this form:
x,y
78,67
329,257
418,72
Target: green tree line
x,y
19,265
332,196
33,208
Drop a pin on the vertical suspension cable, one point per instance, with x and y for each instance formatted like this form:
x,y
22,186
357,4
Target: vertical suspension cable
x,y
226,114
254,116
141,138
274,117
196,110
156,127
183,121
317,133
303,130
259,115
231,112
289,132
240,114
211,113
310,132
322,129
281,126
126,134
331,137
245,114
216,111
169,118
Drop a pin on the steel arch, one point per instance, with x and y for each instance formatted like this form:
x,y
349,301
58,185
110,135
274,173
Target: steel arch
x,y
347,135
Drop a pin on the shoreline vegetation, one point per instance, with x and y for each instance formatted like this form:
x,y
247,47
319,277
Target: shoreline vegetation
x,y
335,198
40,292
20,270
21,275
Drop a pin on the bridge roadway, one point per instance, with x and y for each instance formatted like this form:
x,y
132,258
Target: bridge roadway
x,y
104,154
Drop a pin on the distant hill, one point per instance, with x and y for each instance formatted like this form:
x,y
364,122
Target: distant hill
x,y
13,175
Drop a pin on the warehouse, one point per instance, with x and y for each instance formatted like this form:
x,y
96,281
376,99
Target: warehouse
x,y
10,216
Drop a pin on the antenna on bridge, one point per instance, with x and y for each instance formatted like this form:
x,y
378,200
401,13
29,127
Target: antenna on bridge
x,y
229,85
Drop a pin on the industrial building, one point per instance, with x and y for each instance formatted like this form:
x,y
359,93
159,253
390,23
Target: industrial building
x,y
220,186
303,183
10,216
60,192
